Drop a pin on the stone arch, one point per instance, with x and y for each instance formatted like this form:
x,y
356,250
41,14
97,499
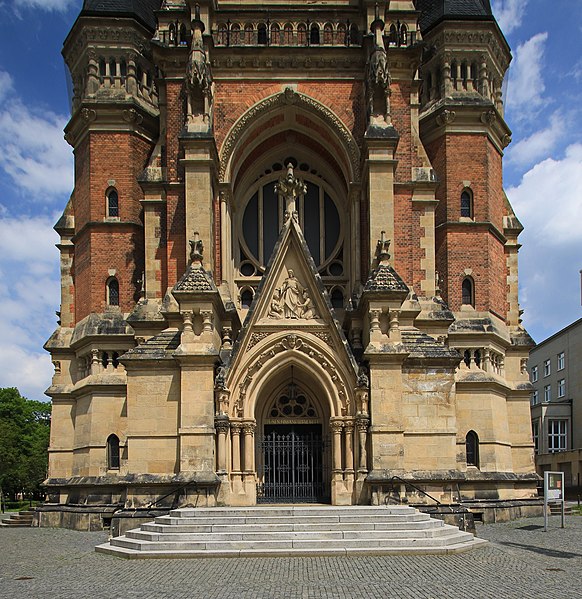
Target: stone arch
x,y
303,102
316,365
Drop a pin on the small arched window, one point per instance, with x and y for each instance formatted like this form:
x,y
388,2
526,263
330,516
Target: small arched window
x,y
113,292
393,37
403,35
467,204
222,38
123,69
113,460
328,34
104,359
354,34
102,68
183,35
262,34
112,68
172,33
337,298
246,299
275,34
249,34
112,203
235,35
472,449
302,34
314,35
468,292
288,34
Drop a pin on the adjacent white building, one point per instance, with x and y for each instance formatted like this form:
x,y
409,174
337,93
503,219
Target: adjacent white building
x,y
556,403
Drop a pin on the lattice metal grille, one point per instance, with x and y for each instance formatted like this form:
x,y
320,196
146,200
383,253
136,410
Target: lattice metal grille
x,y
292,467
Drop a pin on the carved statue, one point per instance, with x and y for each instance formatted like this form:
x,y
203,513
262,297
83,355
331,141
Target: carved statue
x,y
292,300
290,187
198,76
196,248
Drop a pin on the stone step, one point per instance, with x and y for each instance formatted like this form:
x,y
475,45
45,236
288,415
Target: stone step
x,y
294,510
157,527
266,535
21,518
290,530
345,518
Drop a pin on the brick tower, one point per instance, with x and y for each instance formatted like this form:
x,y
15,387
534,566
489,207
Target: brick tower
x,y
288,229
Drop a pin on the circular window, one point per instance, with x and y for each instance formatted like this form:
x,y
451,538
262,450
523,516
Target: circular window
x,y
263,218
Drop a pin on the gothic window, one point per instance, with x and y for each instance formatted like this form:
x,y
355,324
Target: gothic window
x,y
342,34
464,73
104,359
123,69
314,35
113,292
262,34
246,298
337,298
288,34
112,203
327,34
235,35
467,204
183,35
275,34
115,359
319,219
393,38
222,34
354,34
113,460
468,292
249,31
172,31
302,34
403,35
472,449
102,68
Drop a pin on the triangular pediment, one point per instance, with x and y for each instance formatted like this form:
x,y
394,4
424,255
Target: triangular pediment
x,y
291,297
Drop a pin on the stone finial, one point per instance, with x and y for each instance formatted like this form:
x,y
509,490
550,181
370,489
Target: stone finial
x,y
196,249
382,249
290,187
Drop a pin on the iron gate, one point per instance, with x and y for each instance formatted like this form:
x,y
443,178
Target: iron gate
x,y
292,466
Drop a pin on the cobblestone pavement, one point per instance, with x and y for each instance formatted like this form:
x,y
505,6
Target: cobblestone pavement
x,y
520,561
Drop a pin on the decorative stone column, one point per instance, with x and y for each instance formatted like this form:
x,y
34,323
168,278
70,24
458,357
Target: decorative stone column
x,y
362,425
349,451
235,432
249,446
336,429
222,426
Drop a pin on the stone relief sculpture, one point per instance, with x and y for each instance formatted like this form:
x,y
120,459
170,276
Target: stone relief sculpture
x,y
292,300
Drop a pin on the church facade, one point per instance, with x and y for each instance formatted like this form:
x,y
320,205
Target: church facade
x,y
289,268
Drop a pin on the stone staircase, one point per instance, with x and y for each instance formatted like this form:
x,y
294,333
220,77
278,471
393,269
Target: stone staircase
x,y
290,531
22,518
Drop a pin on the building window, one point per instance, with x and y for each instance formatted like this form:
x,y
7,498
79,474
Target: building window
x,y
534,374
112,203
562,388
535,397
535,431
468,292
113,452
561,361
246,299
557,436
548,393
547,367
262,34
113,292
314,35
467,204
472,449
337,298
319,218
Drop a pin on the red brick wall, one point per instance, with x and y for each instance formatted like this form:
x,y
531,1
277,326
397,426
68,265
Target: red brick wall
x,y
470,157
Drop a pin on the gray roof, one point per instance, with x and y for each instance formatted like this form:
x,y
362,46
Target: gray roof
x,y
385,278
421,345
142,10
434,11
196,279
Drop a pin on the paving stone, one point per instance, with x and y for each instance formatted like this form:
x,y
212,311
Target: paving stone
x,y
520,561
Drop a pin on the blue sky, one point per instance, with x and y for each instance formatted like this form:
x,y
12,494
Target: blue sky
x,y
543,169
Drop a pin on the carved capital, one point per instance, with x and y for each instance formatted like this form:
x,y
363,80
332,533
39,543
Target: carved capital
x,y
336,426
249,428
222,425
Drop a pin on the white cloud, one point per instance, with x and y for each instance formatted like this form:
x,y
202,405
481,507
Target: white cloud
x,y
509,13
548,201
33,152
526,84
29,296
538,145
48,5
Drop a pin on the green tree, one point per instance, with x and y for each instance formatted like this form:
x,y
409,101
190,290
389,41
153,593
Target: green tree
x,y
24,439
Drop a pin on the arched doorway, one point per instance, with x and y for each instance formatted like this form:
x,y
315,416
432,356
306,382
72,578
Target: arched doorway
x,y
293,449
